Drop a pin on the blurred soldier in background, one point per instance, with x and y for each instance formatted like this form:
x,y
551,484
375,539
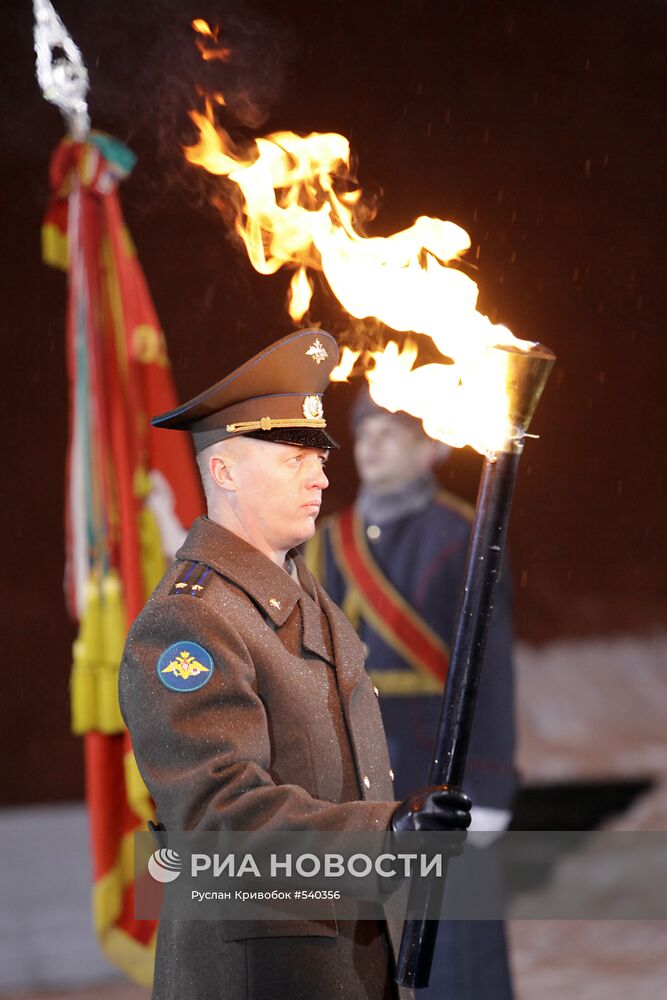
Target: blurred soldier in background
x,y
394,561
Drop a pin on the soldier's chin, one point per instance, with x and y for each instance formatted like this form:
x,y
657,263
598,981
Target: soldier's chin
x,y
307,528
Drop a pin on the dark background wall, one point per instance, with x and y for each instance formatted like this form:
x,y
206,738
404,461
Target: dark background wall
x,y
536,125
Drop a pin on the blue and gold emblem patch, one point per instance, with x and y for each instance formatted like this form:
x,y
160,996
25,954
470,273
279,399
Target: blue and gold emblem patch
x,y
185,666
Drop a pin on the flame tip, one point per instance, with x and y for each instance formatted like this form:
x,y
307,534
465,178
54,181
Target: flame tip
x,y
293,209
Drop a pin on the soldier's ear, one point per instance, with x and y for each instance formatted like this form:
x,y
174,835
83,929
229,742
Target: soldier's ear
x,y
221,470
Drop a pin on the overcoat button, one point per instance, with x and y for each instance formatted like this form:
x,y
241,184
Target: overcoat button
x,y
367,781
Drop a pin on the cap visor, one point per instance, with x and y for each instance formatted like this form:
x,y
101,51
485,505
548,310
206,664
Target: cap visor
x,y
304,437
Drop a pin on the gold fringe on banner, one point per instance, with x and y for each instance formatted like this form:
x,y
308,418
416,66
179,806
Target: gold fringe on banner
x,y
96,657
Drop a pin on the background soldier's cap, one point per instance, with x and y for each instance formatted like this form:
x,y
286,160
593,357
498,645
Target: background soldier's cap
x,y
365,406
275,396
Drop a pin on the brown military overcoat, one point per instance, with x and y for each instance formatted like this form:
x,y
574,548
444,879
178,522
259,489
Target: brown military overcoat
x,y
286,735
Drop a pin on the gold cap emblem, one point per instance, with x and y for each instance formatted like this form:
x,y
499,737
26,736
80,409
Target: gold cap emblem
x,y
312,408
317,352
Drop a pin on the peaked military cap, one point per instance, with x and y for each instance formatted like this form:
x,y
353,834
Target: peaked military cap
x,y
365,406
275,396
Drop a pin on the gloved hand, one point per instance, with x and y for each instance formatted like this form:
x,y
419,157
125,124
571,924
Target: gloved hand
x,y
436,808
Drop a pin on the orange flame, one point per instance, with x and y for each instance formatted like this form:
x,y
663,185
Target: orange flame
x,y
202,27
343,369
294,208
462,403
299,295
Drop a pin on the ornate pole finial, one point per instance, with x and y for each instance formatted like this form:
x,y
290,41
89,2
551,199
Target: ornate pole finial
x,y
61,71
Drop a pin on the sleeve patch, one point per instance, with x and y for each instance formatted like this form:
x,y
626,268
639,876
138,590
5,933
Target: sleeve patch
x,y
192,580
185,666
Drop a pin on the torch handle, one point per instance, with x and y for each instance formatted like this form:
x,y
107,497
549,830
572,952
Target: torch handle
x,y
485,551
483,564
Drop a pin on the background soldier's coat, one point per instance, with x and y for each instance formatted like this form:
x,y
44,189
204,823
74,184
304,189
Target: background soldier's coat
x,y
422,557
418,558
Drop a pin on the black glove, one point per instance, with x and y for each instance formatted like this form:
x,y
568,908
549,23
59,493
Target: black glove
x,y
437,808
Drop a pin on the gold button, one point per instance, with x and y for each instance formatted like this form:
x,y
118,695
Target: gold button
x,y
367,781
377,693
373,532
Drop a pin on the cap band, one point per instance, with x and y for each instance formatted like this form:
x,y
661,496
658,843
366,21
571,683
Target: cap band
x,y
268,424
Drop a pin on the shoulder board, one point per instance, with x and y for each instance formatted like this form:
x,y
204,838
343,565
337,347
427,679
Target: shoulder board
x,y
192,580
457,504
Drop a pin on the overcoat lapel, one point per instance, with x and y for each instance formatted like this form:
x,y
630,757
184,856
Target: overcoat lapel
x,y
316,636
348,652
358,704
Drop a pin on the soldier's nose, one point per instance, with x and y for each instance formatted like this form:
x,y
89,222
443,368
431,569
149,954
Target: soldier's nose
x,y
318,477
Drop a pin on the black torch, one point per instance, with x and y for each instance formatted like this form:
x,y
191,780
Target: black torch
x,y
525,373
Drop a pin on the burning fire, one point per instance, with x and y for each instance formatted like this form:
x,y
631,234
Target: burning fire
x,y
299,295
343,369
207,50
295,209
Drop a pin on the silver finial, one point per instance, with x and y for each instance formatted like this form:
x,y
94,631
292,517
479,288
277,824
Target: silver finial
x,y
61,71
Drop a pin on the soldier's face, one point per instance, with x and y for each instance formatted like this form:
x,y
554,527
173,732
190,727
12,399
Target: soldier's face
x,y
389,454
279,492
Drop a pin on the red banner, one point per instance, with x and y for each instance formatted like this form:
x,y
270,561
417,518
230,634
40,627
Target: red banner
x,y
130,497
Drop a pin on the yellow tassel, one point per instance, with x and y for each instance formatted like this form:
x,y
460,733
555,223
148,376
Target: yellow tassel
x,y
87,651
98,648
153,564
55,248
152,557
138,797
96,658
113,638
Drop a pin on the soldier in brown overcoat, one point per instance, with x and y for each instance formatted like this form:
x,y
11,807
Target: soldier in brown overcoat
x,y
244,690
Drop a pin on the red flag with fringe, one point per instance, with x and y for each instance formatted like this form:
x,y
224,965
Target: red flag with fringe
x,y
130,495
